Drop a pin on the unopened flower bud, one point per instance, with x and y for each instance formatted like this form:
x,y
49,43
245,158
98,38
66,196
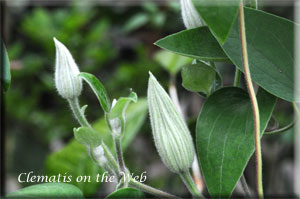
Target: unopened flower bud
x,y
171,135
99,156
190,16
67,82
116,127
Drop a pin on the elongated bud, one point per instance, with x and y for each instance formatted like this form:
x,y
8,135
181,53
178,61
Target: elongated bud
x,y
190,16
171,135
67,82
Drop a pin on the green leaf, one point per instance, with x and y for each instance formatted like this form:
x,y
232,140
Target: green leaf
x,y
270,43
87,136
200,78
74,160
219,15
170,61
225,136
197,43
121,105
5,67
98,89
128,193
48,190
135,22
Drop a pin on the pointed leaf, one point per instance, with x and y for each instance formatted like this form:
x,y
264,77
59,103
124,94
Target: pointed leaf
x,y
48,190
98,89
200,78
197,43
121,106
219,15
5,67
87,136
128,193
270,43
225,136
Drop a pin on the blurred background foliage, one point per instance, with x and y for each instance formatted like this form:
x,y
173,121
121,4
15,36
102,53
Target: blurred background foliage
x,y
115,43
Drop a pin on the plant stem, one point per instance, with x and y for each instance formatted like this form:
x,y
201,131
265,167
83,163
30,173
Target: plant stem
x,y
245,187
190,184
111,159
237,77
151,190
174,95
119,154
74,104
117,144
287,127
253,102
253,4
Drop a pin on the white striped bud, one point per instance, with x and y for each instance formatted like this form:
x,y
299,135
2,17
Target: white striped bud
x,y
190,16
67,82
171,135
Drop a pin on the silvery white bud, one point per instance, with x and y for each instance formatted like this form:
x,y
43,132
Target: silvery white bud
x,y
67,82
99,156
116,127
190,16
171,135
113,103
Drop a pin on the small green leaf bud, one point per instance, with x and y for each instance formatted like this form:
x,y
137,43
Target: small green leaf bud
x,y
171,135
67,82
190,16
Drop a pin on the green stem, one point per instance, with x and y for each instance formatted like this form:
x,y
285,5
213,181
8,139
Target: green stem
x,y
253,102
117,144
287,127
212,64
190,184
237,77
74,104
111,159
120,154
245,187
151,190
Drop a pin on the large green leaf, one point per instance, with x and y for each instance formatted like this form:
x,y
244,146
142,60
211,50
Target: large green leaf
x,y
200,78
74,160
270,43
219,15
5,67
197,43
128,193
225,136
98,89
48,190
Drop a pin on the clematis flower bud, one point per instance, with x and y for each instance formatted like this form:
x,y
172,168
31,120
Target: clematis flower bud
x,y
99,155
67,82
190,16
171,135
